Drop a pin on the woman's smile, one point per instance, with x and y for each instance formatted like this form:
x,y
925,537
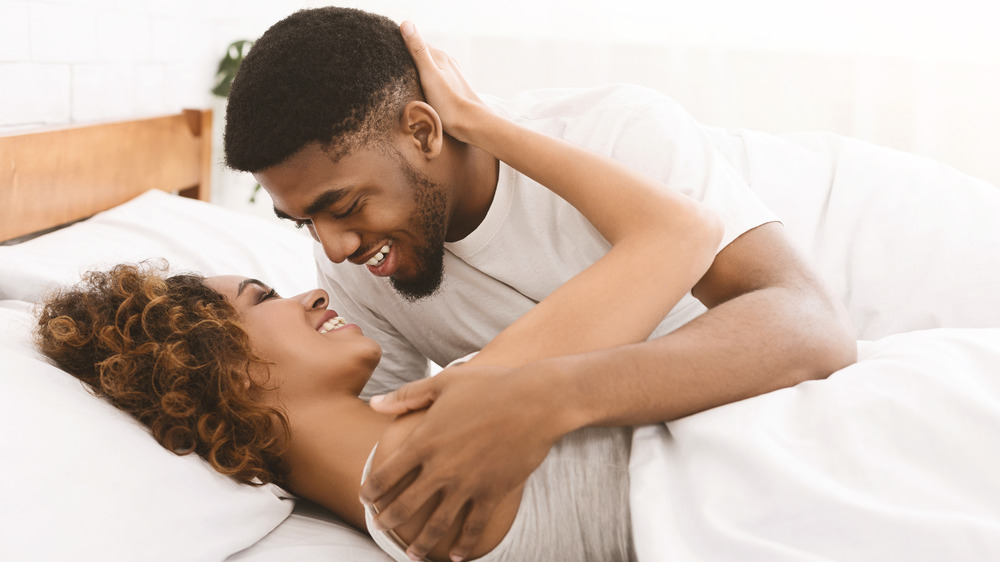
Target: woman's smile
x,y
278,328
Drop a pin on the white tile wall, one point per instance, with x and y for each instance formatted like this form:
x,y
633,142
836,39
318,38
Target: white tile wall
x,y
62,33
74,61
124,37
13,31
78,61
34,93
102,92
70,61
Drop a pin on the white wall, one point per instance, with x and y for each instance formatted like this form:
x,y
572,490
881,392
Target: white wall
x,y
72,61
920,75
81,61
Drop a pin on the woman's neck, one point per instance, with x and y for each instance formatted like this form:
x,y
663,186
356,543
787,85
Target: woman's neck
x,y
331,438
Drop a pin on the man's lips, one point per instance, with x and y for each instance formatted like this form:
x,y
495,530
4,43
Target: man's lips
x,y
388,265
376,249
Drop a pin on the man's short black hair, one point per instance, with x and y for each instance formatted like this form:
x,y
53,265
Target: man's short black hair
x,y
337,76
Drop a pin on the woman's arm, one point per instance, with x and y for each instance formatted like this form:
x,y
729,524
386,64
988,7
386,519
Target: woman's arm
x,y
662,241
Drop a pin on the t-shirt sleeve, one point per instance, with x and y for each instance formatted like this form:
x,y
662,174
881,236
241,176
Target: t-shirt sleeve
x,y
662,140
400,363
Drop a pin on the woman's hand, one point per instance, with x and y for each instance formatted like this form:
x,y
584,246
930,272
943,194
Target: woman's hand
x,y
445,89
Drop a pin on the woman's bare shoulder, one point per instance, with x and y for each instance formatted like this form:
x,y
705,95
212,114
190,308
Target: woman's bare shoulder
x,y
394,436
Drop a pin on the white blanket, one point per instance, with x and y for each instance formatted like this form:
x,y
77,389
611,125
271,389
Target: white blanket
x,y
894,458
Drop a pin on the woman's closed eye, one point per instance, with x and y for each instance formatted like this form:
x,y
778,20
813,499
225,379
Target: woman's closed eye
x,y
272,294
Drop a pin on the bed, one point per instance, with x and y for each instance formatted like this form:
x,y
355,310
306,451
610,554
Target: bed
x,y
81,481
892,458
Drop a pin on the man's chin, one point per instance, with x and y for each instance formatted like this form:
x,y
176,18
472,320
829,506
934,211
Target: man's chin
x,y
413,290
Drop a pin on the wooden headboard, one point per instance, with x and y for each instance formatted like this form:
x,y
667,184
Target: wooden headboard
x,y
56,176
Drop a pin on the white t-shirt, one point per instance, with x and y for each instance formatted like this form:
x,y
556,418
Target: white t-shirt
x,y
575,505
531,240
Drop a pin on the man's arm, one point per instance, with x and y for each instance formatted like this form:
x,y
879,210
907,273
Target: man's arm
x,y
770,325
489,428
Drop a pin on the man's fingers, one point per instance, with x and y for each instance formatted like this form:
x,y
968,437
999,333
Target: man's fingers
x,y
383,479
436,527
472,530
412,396
402,507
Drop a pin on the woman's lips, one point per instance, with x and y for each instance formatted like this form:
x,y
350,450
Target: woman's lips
x,y
327,315
333,324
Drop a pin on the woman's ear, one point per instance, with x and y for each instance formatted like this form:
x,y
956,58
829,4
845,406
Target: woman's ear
x,y
422,125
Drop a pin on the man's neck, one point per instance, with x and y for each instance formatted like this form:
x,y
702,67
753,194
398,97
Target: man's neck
x,y
473,184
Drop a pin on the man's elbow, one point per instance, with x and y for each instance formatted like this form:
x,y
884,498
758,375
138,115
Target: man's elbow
x,y
830,344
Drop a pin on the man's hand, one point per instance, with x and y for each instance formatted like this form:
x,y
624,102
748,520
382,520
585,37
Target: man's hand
x,y
487,429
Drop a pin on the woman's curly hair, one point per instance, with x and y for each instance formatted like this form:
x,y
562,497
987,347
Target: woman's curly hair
x,y
171,352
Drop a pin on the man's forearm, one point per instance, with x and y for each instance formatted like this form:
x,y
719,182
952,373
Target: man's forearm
x,y
758,342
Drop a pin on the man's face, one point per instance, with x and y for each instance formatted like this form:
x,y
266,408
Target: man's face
x,y
371,208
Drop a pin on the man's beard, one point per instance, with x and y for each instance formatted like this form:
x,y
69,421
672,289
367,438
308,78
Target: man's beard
x,y
429,219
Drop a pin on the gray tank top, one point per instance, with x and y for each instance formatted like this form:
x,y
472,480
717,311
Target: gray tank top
x,y
574,508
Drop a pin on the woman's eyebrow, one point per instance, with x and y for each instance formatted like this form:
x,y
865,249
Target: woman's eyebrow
x,y
245,282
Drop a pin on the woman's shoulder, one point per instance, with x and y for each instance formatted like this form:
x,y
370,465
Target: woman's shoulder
x,y
395,434
392,438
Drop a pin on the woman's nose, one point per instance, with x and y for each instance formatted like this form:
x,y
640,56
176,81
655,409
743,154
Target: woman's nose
x,y
317,298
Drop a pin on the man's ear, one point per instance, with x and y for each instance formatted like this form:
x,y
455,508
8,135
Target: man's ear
x,y
422,125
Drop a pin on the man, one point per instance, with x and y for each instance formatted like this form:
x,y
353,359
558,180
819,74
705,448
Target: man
x,y
434,247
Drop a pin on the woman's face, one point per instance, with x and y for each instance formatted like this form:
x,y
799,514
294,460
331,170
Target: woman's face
x,y
309,346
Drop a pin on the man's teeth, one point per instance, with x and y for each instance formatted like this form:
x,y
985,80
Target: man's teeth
x,y
377,258
332,324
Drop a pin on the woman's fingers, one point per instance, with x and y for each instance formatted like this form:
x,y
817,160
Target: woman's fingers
x,y
444,87
419,49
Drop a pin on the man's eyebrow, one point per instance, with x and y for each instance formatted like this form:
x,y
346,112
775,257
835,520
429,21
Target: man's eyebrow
x,y
321,202
245,282
326,199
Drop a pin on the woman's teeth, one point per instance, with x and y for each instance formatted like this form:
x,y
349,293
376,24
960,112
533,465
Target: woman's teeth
x,y
332,324
380,256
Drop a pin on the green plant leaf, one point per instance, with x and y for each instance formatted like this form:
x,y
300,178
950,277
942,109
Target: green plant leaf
x,y
228,66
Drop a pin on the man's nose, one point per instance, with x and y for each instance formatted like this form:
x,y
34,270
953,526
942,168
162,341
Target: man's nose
x,y
338,242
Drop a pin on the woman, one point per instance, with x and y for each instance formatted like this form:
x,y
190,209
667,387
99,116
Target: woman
x,y
266,388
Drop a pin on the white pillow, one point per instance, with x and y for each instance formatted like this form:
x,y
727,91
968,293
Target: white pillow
x,y
84,481
313,533
906,242
190,234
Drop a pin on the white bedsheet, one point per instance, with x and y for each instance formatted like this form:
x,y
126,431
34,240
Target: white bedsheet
x,y
312,533
894,458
